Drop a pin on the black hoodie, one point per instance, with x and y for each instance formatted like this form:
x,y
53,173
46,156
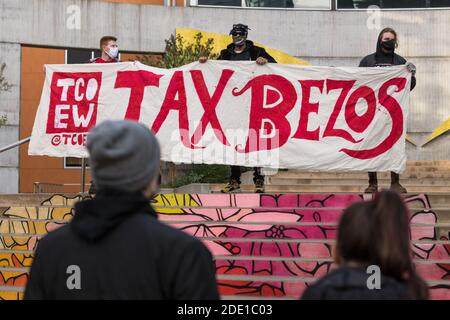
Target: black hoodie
x,y
382,59
251,53
122,252
351,284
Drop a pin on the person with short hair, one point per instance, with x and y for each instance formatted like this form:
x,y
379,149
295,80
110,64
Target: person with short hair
x,y
110,54
115,247
109,49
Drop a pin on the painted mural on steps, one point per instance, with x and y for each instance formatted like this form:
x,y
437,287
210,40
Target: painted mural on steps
x,y
288,237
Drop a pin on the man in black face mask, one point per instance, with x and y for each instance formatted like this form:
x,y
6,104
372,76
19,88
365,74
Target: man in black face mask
x,y
386,57
243,50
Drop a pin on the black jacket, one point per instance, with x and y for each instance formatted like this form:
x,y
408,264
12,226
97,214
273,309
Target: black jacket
x,y
381,59
123,252
251,52
351,284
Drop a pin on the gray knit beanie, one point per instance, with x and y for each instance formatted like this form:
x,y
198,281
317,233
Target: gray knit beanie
x,y
124,155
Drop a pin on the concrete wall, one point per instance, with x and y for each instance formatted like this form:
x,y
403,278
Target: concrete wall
x,y
338,38
10,106
322,37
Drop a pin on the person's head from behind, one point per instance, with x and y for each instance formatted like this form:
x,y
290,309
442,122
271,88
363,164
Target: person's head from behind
x,y
124,156
387,40
109,47
353,238
239,33
377,233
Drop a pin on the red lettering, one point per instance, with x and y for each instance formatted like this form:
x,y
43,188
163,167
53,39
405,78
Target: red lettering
x,y
276,114
360,123
73,101
306,108
175,100
136,81
330,130
209,105
396,114
66,138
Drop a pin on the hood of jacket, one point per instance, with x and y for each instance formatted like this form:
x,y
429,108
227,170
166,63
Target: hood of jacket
x,y
96,217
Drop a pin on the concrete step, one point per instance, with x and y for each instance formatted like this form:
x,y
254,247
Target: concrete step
x,y
325,212
424,269
439,163
237,279
354,175
11,293
438,289
20,239
13,260
9,228
318,188
38,199
276,180
428,172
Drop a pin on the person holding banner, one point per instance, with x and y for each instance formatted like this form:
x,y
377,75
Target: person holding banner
x,y
109,49
384,57
242,49
110,52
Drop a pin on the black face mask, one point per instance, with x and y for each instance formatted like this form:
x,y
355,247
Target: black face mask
x,y
388,45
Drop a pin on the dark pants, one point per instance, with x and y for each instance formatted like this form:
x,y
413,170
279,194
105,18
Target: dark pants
x,y
258,178
395,178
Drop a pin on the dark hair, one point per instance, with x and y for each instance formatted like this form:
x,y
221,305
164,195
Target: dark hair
x,y
377,232
353,242
386,30
104,41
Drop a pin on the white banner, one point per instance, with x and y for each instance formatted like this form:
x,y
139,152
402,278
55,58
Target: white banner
x,y
236,113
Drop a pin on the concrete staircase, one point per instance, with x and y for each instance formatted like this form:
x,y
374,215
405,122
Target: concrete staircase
x,y
419,177
265,246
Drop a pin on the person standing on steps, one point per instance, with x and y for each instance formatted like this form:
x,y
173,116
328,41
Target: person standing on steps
x,y
242,49
110,54
385,56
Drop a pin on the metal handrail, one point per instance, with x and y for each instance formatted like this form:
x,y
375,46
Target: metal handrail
x,y
15,144
83,162
50,187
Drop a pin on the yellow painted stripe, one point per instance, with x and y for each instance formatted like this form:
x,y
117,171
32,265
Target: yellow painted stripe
x,y
443,128
410,140
221,41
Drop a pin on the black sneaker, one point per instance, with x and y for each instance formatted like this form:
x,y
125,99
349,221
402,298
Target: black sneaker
x,y
372,188
232,186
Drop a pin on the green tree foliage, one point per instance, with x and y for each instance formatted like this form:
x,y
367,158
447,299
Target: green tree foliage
x,y
178,53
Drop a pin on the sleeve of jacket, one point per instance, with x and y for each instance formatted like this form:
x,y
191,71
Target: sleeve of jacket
x,y
363,62
413,82
263,53
35,289
221,55
194,277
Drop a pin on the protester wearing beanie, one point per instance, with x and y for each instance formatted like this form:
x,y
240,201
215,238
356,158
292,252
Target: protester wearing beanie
x,y
115,239
123,155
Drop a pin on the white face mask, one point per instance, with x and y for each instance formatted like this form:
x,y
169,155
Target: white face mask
x,y
113,52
